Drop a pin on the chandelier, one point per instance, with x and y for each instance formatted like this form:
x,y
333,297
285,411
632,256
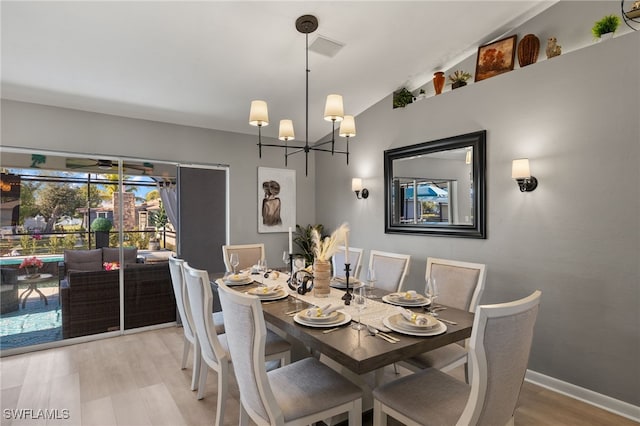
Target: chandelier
x,y
333,111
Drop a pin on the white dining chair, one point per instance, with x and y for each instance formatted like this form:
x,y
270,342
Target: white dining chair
x,y
184,310
301,393
460,285
355,260
214,347
499,347
391,269
248,255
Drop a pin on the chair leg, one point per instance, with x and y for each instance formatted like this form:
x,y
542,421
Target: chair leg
x,y
223,381
395,369
204,370
197,365
286,359
379,416
244,416
355,414
185,353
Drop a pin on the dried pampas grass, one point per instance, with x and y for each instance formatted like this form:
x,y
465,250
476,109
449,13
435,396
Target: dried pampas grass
x,y
324,249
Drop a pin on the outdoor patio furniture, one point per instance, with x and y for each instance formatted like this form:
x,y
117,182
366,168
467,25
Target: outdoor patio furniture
x,y
9,290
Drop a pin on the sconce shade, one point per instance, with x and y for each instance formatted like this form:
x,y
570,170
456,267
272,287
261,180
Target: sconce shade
x,y
520,169
467,159
286,130
347,127
356,184
258,115
522,174
333,109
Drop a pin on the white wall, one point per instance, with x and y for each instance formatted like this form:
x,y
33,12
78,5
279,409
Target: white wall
x,y
576,237
26,125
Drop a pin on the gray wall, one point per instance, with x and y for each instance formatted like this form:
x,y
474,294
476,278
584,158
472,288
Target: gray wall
x,y
576,237
44,128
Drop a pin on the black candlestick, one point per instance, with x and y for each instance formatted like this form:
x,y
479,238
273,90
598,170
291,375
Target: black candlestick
x,y
347,294
291,269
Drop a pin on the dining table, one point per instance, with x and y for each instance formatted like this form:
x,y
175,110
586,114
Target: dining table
x,y
356,350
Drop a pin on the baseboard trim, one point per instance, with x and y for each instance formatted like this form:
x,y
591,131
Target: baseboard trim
x,y
599,400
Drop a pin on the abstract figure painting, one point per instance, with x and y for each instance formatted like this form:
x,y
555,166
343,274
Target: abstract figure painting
x,y
276,199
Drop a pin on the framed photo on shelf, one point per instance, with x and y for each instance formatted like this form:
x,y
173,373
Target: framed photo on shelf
x,y
276,199
495,58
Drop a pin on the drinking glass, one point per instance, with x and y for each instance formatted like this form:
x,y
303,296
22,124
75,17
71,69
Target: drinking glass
x,y
359,301
235,261
431,291
371,280
285,258
262,269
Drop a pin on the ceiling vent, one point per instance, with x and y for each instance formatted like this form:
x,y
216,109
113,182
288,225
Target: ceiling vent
x,y
326,47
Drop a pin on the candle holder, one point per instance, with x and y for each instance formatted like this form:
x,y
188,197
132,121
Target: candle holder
x,y
347,294
290,281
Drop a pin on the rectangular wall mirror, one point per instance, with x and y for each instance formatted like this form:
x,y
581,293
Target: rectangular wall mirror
x,y
437,187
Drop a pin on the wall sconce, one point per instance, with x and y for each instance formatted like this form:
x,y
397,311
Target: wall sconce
x,y
356,186
522,174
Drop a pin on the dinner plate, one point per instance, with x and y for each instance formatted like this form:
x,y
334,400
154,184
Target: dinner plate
x,y
402,322
341,318
280,294
333,316
246,280
341,283
393,324
406,302
265,291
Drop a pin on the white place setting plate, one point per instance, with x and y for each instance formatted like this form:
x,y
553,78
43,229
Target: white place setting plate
x,y
340,283
399,300
280,294
265,291
238,279
397,323
340,319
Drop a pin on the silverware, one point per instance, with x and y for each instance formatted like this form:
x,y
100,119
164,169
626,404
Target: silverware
x,y
382,333
295,311
376,332
330,330
447,321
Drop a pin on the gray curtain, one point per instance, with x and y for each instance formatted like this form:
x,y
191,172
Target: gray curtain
x,y
169,196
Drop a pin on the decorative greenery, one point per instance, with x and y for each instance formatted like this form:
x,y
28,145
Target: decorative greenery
x,y
608,24
402,98
459,76
303,239
101,224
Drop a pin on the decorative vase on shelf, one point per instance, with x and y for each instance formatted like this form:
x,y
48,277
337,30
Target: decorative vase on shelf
x,y
528,50
438,81
458,84
321,278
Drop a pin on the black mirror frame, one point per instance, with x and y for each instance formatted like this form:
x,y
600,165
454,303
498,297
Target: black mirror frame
x,y
478,140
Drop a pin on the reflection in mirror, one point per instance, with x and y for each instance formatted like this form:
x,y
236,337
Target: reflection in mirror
x,y
437,187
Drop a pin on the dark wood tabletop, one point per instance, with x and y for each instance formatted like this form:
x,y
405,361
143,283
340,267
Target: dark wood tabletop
x,y
358,351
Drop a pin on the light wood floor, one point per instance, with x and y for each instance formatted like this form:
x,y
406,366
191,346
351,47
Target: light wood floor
x,y
136,380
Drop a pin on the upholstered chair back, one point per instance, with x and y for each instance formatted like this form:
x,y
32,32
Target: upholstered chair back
x,y
248,255
391,269
355,260
176,267
460,284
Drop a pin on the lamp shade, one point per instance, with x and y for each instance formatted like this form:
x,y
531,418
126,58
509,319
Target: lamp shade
x,y
333,109
520,169
348,127
259,115
286,130
356,184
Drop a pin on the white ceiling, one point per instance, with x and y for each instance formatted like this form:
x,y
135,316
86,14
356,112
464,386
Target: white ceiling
x,y
201,63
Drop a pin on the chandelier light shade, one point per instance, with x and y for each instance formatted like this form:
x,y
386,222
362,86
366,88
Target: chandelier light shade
x,y
285,132
259,115
333,111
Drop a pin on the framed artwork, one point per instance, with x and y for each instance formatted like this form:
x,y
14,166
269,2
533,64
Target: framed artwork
x,y
495,58
276,199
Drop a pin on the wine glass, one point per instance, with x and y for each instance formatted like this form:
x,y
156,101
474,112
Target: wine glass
x,y
431,291
235,261
262,269
359,301
371,280
285,258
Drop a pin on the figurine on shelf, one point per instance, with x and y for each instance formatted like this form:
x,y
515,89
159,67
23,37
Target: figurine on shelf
x,y
553,49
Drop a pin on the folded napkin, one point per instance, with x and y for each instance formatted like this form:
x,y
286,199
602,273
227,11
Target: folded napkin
x,y
413,317
267,289
321,311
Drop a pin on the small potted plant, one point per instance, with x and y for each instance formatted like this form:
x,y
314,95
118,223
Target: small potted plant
x,y
101,227
402,98
459,78
605,27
